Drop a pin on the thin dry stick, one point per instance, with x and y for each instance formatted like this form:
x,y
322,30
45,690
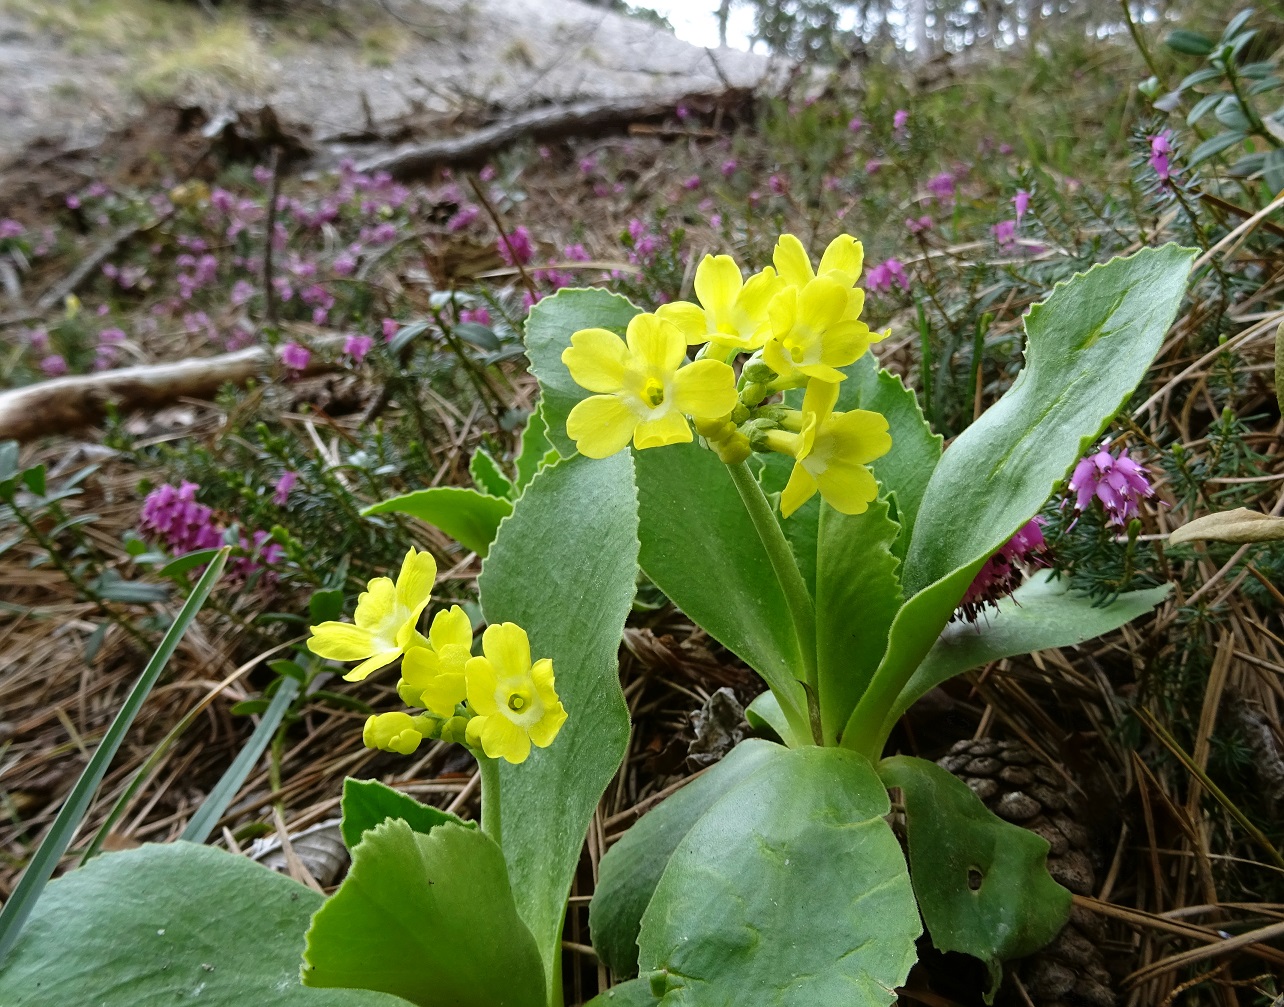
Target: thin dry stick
x,y
1241,942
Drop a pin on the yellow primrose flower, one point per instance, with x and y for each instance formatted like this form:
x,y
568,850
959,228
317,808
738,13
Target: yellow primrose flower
x,y
841,262
394,732
433,676
811,333
514,701
831,451
732,314
384,621
644,387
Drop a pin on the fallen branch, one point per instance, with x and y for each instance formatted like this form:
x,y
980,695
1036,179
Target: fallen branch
x,y
61,405
541,123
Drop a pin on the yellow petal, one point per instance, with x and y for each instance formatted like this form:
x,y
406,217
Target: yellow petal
x,y
596,359
444,692
860,436
688,317
376,604
544,730
601,425
792,262
380,660
847,488
821,304
800,488
671,428
451,627
656,343
717,283
821,372
340,641
419,667
756,295
855,305
844,343
508,648
416,579
502,739
775,357
819,399
845,255
705,389
481,686
783,311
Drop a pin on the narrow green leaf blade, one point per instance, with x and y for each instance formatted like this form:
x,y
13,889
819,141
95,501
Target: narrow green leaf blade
x,y
54,845
564,568
549,328
790,890
631,869
470,518
368,803
982,883
429,918
168,924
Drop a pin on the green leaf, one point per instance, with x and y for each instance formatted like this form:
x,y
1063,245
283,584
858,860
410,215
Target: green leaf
x,y
634,993
549,328
54,845
1213,145
188,561
34,478
325,605
536,448
858,593
367,803
631,869
764,713
481,336
429,918
982,883
700,547
1202,107
113,587
564,568
1231,115
1236,23
9,455
470,518
404,336
1043,613
488,475
790,890
169,924
1202,76
1273,171
1191,43
1089,344
802,526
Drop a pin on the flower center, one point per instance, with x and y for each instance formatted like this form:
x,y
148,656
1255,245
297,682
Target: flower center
x,y
653,392
517,702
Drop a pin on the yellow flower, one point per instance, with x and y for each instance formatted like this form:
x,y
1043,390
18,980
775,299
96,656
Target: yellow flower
x,y
831,451
732,314
514,702
384,621
394,732
811,333
845,257
433,676
644,388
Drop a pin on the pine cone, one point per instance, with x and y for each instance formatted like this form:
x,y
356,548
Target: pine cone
x,y
1018,787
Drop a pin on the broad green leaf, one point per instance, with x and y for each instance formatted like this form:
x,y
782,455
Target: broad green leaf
x,y
700,547
367,803
1214,145
470,518
982,883
858,593
549,328
791,890
1238,525
634,993
564,568
632,867
23,898
765,712
325,604
1043,613
535,450
169,924
488,476
429,918
1089,344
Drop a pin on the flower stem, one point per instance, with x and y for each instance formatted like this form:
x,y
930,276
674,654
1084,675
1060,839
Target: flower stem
x,y
794,587
491,819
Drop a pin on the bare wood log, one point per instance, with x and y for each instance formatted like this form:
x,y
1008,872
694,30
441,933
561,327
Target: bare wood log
x,y
62,405
545,122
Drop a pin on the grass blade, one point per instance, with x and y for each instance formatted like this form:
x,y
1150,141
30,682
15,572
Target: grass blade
x,y
215,804
60,834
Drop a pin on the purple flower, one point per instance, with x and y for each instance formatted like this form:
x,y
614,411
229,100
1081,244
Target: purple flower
x,y
112,336
777,185
262,174
295,357
171,516
1005,149
283,487
344,264
487,174
881,277
72,201
390,328
479,316
357,346
900,120
588,165
942,187
383,234
872,166
856,124
242,291
1003,572
1004,233
1118,482
1160,147
53,365
729,167
10,228
682,111
38,339
544,153
691,183
463,217
918,226
516,248
576,253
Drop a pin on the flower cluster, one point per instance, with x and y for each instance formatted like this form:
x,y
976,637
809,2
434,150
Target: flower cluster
x,y
172,517
1117,481
798,325
1003,572
501,702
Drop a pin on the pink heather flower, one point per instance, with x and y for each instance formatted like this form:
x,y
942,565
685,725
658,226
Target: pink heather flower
x,y
479,316
900,120
72,201
856,124
383,234
777,185
283,487
517,248
357,346
918,226
544,153
463,217
38,339
171,516
1021,202
1005,233
682,111
942,187
755,198
53,365
588,165
242,291
105,357
487,174
262,174
1005,149
111,337
881,277
295,357
691,183
729,167
1160,147
344,264
390,327
1118,482
576,253
1004,571
872,166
